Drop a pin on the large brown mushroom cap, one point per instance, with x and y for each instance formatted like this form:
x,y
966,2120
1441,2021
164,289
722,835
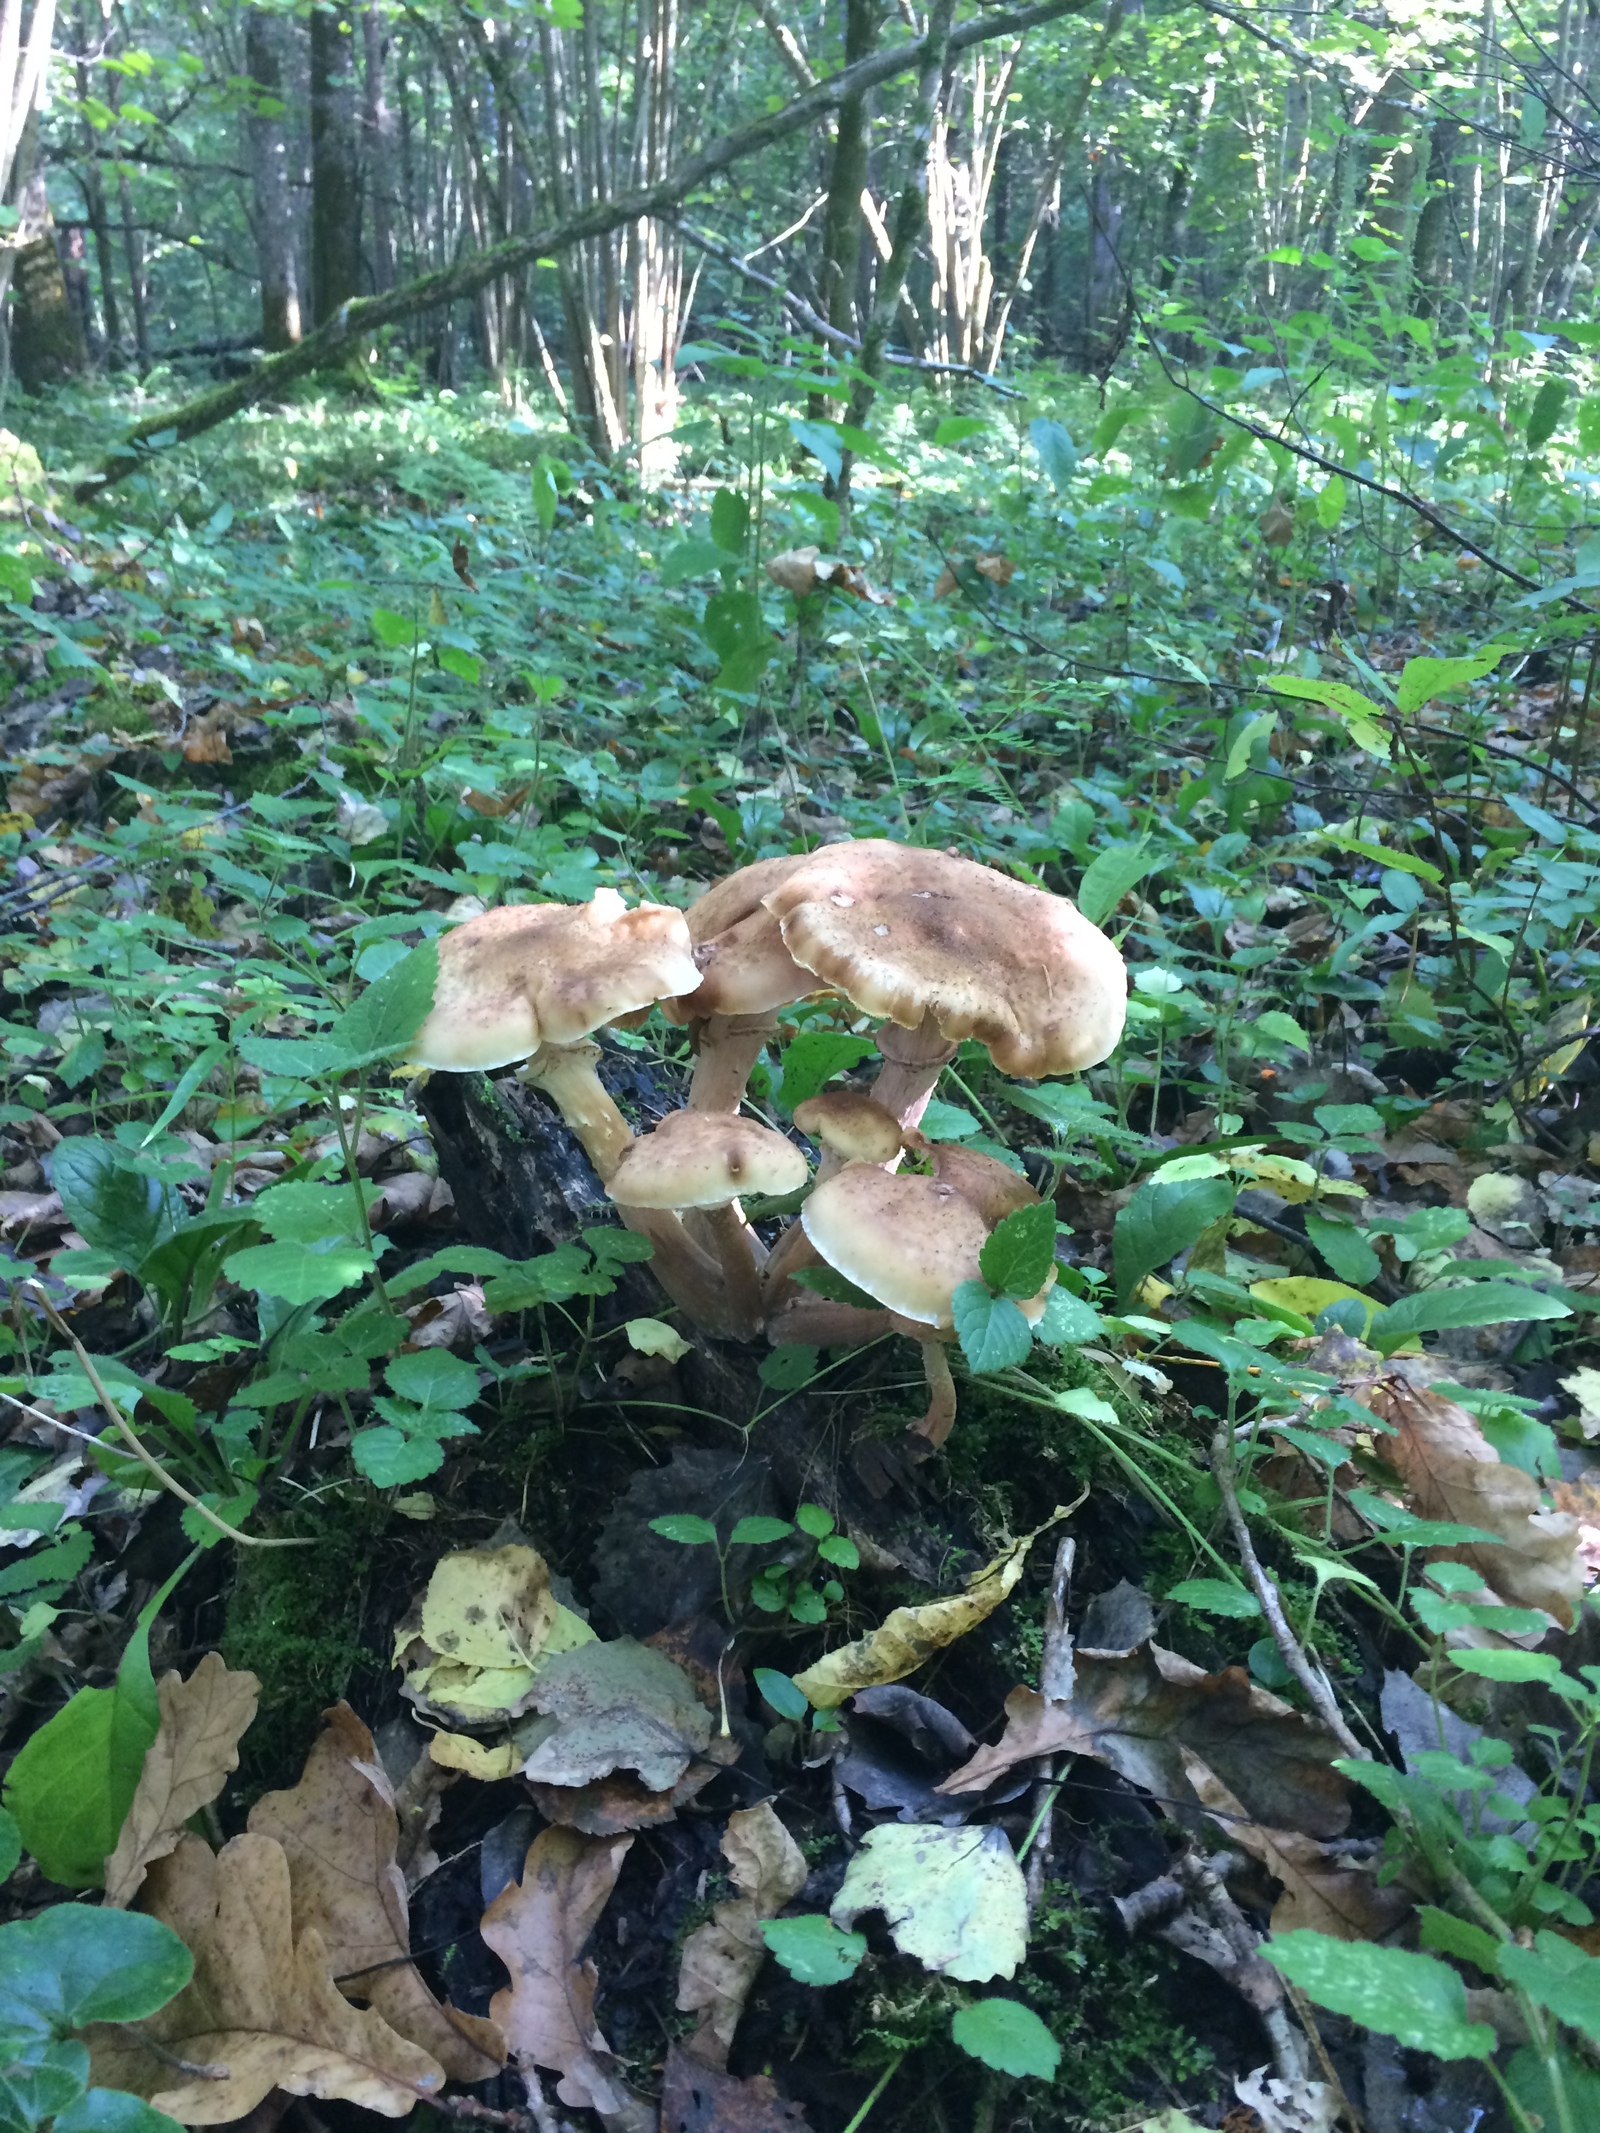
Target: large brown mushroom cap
x,y
705,1159
851,1125
744,967
907,933
983,1181
908,1241
528,975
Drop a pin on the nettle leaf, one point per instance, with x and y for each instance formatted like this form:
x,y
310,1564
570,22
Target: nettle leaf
x,y
1421,2002
1007,2036
385,1018
1475,1303
1162,1219
389,1458
433,1377
1020,1251
759,1532
687,1528
813,1949
993,1332
1068,1321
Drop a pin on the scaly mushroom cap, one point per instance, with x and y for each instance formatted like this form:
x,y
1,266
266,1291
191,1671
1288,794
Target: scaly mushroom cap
x,y
525,975
852,1125
984,1182
705,1159
906,933
908,1241
744,967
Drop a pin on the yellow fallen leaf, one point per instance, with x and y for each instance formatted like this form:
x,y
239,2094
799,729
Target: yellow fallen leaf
x,y
911,1634
650,1336
489,1607
459,1751
1308,1295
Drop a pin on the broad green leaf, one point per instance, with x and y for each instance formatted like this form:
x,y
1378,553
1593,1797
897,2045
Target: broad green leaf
x,y
1473,1303
1492,1665
821,439
812,1060
827,1281
687,1528
730,521
1361,717
736,630
1528,2078
546,489
1414,1998
812,1949
10,1844
299,1273
1161,1220
1330,503
113,2111
780,1691
1244,743
1112,873
1058,455
434,1378
788,1367
759,1532
1421,680
384,1019
993,1332
1343,1247
389,1458
1544,417
1215,1596
813,1519
1067,1320
954,429
1007,2036
1383,855
306,1213
394,632
1020,1251
114,1207
73,1965
692,559
1559,1976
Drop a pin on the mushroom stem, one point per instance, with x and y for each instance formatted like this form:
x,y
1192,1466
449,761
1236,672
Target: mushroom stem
x,y
742,1295
568,1075
696,1282
793,1250
726,1048
936,1423
818,1320
913,1060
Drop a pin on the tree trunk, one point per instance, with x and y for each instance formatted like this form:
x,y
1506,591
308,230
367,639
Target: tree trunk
x,y
269,169
94,194
378,117
335,171
1430,265
46,343
842,225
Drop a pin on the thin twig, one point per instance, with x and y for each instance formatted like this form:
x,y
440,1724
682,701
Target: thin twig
x,y
1323,1701
124,1428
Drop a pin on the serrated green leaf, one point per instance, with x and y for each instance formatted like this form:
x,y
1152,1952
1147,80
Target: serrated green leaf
x,y
687,1528
993,1332
299,1273
759,1532
1215,1596
389,1458
813,1519
1414,1998
813,1950
1020,1251
1161,1220
815,1057
1007,2036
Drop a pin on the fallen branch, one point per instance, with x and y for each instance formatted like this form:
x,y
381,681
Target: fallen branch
x,y
356,320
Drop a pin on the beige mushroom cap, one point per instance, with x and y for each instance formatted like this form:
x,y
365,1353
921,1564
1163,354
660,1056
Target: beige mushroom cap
x,y
705,1159
852,1125
525,975
983,1181
907,933
745,968
908,1241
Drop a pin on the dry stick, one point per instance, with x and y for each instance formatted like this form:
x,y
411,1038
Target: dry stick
x,y
1323,1701
364,315
125,1430
815,323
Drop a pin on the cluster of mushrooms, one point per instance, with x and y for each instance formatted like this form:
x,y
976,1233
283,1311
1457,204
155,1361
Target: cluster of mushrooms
x,y
934,947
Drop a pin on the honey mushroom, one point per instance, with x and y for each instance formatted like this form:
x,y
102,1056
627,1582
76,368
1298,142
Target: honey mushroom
x,y
704,1160
909,1241
528,983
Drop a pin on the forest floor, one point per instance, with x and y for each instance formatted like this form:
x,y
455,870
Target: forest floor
x,y
1329,1227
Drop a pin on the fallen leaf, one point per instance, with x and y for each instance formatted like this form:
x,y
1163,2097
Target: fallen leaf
x,y
1321,1889
470,1648
1452,1472
339,1831
722,1957
459,1320
696,2098
614,1706
954,1899
1137,1714
474,1758
1580,1499
207,740
650,1336
1289,2107
909,1635
1584,1386
185,1767
262,2002
618,1803
539,1927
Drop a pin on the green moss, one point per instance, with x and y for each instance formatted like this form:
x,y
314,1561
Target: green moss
x,y
294,1620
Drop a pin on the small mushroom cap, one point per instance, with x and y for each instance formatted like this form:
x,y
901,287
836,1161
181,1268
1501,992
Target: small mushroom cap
x,y
524,975
705,1159
907,933
851,1124
984,1182
744,967
908,1241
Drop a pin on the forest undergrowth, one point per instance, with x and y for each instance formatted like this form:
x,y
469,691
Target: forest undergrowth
x,y
601,1712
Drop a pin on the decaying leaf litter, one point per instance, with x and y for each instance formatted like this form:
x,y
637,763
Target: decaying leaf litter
x,y
1160,1697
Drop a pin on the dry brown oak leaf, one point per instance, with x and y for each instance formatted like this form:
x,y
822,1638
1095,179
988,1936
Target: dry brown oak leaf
x,y
339,1831
1451,1471
539,1928
195,1750
1138,1712
1321,1890
696,2098
262,2002
722,1958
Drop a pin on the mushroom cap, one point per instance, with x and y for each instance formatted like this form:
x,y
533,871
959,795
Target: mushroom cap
x,y
705,1159
852,1125
524,975
984,1182
744,967
907,933
908,1241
